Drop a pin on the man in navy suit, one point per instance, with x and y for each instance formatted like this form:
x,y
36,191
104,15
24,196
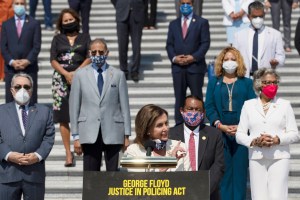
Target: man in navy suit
x,y
20,47
187,43
26,139
130,22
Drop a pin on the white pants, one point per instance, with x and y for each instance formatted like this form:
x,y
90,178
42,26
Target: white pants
x,y
269,179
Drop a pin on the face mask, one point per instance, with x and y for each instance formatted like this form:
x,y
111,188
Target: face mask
x,y
186,9
230,66
70,27
99,60
257,22
270,91
159,145
19,10
192,118
22,96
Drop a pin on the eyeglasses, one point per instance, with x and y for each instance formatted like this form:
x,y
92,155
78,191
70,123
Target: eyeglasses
x,y
18,87
99,52
270,82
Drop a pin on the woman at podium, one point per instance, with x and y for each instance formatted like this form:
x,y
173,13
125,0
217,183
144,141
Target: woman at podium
x,y
152,139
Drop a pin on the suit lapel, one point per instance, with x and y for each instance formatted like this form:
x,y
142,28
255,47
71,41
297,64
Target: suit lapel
x,y
272,108
191,26
91,79
13,27
32,111
179,27
108,77
13,114
25,26
203,137
218,97
259,107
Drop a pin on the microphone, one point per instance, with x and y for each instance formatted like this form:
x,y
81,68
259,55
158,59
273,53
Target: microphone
x,y
149,146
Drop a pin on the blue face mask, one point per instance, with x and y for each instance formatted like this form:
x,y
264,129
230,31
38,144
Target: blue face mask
x,y
159,144
186,9
19,10
99,60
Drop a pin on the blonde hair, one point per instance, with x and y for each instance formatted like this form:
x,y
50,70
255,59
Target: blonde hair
x,y
241,69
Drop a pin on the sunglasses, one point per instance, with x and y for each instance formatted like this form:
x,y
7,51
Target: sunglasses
x,y
18,87
99,52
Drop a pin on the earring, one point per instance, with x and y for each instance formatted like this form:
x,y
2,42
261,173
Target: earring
x,y
148,133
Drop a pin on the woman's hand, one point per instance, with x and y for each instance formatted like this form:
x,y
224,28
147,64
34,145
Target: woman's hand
x,y
228,129
69,77
178,151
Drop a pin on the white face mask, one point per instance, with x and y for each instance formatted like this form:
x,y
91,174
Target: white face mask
x,y
22,96
257,22
230,66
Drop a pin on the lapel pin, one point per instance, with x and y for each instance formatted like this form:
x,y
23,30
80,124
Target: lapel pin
x,y
194,20
203,138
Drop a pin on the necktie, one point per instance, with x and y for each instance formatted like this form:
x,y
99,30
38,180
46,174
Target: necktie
x,y
184,27
192,151
255,52
24,116
19,27
100,80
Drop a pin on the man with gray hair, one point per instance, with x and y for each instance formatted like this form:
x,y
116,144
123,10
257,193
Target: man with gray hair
x,y
26,139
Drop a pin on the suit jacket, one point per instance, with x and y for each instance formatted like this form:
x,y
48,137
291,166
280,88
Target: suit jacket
x,y
210,154
28,46
271,48
279,120
229,7
213,100
124,7
39,138
89,111
196,43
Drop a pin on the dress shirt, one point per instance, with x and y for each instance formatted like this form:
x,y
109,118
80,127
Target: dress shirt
x,y
22,18
261,40
187,133
19,112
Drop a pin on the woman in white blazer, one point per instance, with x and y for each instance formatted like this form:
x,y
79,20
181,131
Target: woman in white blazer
x,y
152,130
235,17
267,127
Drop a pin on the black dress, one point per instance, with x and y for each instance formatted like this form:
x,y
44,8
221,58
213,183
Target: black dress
x,y
70,58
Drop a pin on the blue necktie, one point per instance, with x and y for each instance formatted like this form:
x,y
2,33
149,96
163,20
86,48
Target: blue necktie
x,y
100,80
24,116
255,52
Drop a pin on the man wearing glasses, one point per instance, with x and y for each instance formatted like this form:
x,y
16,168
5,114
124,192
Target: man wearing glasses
x,y
99,111
26,139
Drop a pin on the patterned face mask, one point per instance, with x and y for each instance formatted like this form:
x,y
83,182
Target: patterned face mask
x,y
99,60
159,145
193,118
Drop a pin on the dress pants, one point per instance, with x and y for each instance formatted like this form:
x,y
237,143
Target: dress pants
x,y
92,155
150,18
8,95
234,181
47,9
133,29
82,7
15,190
284,6
181,81
269,179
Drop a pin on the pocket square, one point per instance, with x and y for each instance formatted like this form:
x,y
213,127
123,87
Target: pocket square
x,y
113,85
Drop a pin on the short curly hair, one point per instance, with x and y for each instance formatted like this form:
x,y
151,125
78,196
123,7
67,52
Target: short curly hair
x,y
259,75
241,69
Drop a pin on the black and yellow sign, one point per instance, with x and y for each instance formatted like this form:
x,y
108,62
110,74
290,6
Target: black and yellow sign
x,y
146,185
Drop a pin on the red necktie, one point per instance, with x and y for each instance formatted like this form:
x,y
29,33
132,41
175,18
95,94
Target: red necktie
x,y
192,151
19,27
184,27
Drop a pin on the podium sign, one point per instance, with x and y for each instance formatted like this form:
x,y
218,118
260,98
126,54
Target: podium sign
x,y
146,185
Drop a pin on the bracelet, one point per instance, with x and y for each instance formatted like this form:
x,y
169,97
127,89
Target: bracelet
x,y
217,123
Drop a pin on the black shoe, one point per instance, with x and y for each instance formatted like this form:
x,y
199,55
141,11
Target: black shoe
x,y
135,77
73,163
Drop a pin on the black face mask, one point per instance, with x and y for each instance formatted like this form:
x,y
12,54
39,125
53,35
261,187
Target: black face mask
x,y
70,27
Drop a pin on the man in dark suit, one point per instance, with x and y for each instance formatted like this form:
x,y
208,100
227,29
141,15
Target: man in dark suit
x,y
130,21
20,47
204,142
26,139
187,43
99,111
